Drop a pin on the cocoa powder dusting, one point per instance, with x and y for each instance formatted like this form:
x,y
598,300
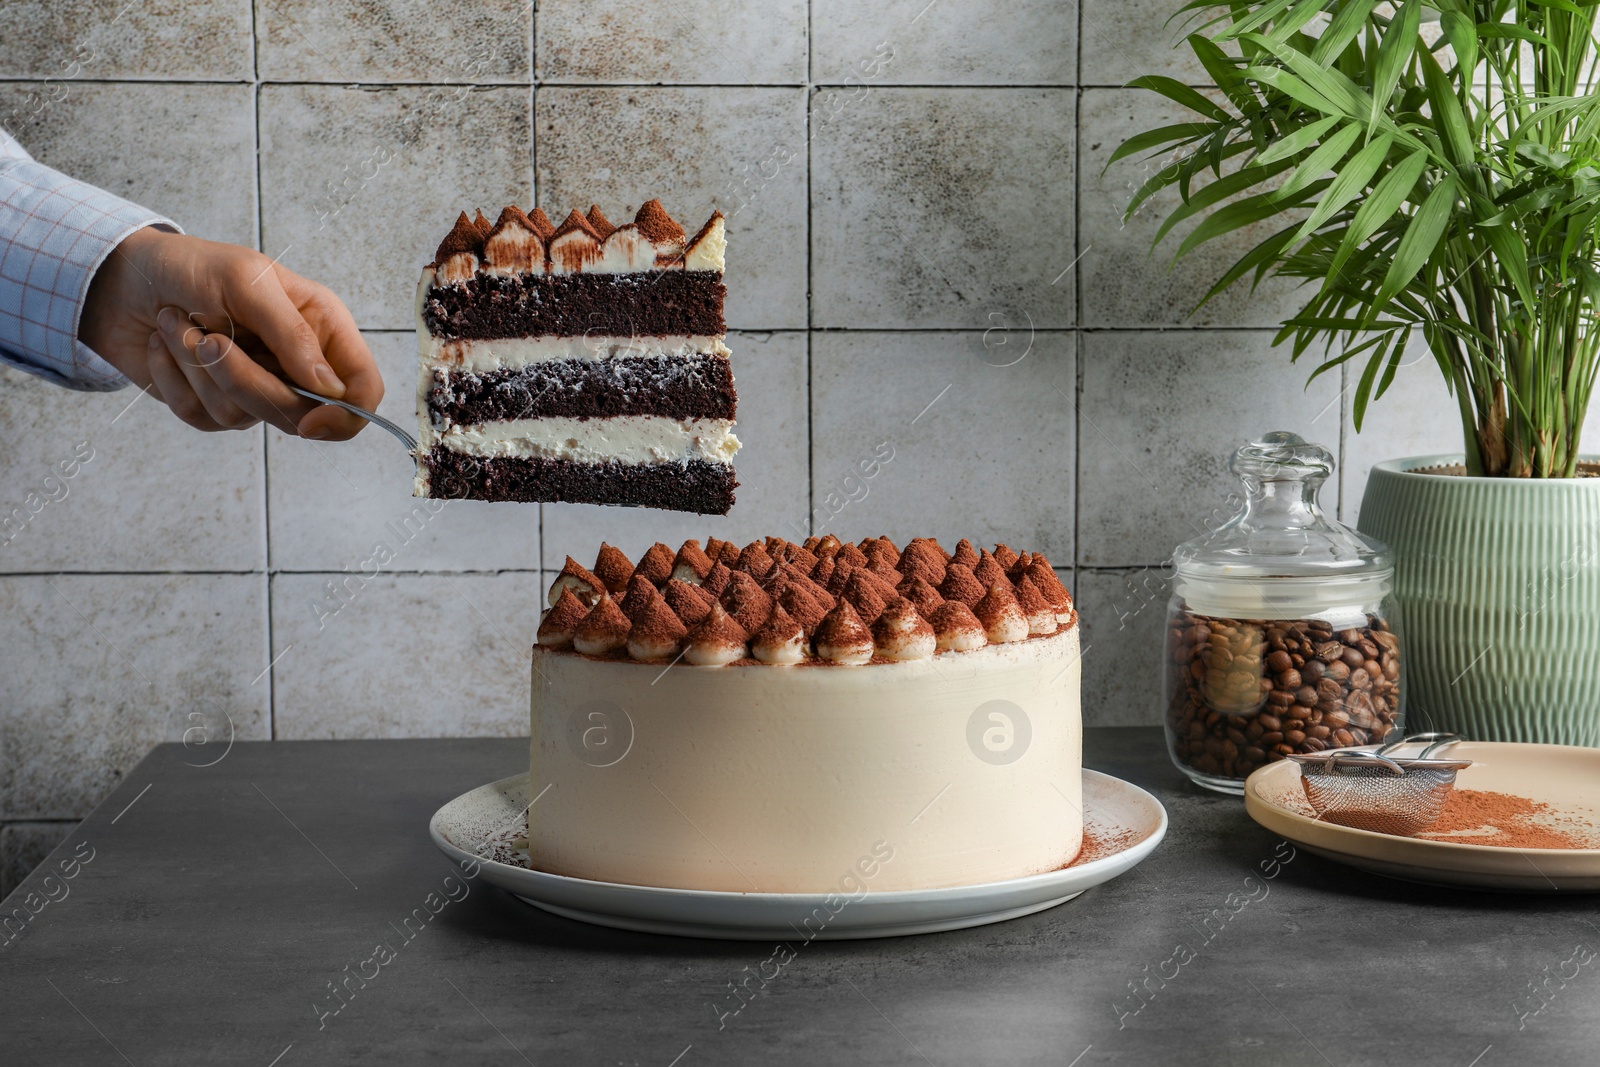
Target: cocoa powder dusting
x,y
1481,817
1097,845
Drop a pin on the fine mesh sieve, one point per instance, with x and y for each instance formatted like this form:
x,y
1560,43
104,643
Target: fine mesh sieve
x,y
1367,789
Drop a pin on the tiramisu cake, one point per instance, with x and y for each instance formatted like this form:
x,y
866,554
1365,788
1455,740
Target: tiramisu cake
x,y
582,362
773,717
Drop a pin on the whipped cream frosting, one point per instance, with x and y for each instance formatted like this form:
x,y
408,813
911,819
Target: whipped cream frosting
x,y
756,777
514,352
624,439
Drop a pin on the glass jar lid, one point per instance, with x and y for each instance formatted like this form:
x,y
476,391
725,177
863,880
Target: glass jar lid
x,y
1281,549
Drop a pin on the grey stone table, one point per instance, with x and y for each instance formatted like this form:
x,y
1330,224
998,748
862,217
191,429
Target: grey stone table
x,y
202,915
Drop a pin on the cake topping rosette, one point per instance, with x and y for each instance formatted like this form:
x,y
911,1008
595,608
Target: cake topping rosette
x,y
842,637
716,579
613,568
1043,577
604,629
960,584
964,554
582,582
715,641
780,640
747,603
920,593
656,563
690,602
956,628
803,607
559,623
638,596
691,563
824,602
1041,617
657,632
1001,615
864,596
901,633
990,572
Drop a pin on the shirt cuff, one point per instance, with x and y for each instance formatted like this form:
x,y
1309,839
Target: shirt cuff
x,y
55,232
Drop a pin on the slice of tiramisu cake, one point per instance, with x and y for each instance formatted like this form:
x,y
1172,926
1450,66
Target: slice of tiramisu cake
x,y
583,362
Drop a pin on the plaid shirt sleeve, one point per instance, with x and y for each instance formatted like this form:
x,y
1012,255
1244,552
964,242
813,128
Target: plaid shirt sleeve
x,y
54,234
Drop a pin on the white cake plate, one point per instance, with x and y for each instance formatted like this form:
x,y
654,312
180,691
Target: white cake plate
x,y
1114,811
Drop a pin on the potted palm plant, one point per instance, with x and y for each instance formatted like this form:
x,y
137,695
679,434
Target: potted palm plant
x,y
1431,173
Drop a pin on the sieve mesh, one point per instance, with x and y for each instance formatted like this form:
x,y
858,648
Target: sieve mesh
x,y
1377,799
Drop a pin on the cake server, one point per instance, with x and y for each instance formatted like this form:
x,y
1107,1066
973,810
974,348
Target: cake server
x,y
1367,789
376,419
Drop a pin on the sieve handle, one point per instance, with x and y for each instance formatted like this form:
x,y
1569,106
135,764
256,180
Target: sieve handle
x,y
1435,739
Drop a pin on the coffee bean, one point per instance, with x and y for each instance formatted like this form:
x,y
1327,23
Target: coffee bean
x,y
1246,692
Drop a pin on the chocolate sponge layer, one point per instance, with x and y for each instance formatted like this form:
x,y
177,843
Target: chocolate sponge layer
x,y
695,486
646,304
680,387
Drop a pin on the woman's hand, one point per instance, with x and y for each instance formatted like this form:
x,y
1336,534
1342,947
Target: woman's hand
x,y
212,329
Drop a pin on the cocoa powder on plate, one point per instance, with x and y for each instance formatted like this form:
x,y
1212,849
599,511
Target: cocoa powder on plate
x,y
1482,817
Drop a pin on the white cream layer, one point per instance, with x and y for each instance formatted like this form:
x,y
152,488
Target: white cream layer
x,y
641,439
500,353
781,779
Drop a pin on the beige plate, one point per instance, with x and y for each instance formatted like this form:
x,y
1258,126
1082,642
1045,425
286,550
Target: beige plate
x,y
1563,776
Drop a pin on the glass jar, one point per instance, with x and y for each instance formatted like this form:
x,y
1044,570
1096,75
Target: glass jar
x,y
1281,628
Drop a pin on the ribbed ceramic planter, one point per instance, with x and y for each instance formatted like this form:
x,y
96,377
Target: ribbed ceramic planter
x,y
1498,581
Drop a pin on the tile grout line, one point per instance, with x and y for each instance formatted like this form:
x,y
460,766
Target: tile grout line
x,y
811,319
266,445
1077,301
976,330
378,85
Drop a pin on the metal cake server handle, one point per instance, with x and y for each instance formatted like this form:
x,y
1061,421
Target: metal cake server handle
x,y
376,420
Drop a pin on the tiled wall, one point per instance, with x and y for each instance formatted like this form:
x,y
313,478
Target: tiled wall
x,y
924,252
